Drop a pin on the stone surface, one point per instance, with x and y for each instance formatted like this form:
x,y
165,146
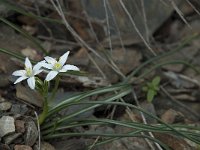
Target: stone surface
x,y
6,125
46,146
10,138
71,144
22,147
29,95
5,106
4,147
125,60
20,126
4,80
19,109
31,134
149,107
169,116
173,142
96,9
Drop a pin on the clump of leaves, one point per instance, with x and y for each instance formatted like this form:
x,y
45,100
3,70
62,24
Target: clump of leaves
x,y
152,88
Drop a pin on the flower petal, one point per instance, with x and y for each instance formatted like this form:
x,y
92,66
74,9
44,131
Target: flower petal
x,y
19,73
39,65
48,66
28,63
31,82
51,75
70,67
50,60
63,58
63,70
20,79
37,72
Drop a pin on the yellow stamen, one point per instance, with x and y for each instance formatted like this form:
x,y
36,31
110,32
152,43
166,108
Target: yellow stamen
x,y
57,66
28,71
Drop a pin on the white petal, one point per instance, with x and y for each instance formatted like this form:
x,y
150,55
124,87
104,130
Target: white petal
x,y
28,63
50,60
70,67
51,75
20,79
63,58
31,82
19,73
48,66
37,72
63,70
39,65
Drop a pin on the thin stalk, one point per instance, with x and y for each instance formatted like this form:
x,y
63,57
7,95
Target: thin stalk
x,y
45,110
55,88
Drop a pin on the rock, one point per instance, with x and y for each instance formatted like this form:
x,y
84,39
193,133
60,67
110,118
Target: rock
x,y
149,107
5,106
96,9
46,146
22,147
4,147
10,138
29,95
31,134
173,142
80,58
4,11
2,99
19,125
187,53
126,60
31,53
6,125
19,109
4,81
71,144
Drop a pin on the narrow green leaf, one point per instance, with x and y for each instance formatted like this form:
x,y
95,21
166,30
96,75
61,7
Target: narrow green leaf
x,y
150,95
156,81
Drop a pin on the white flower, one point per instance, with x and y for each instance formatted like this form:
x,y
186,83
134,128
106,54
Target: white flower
x,y
28,73
57,66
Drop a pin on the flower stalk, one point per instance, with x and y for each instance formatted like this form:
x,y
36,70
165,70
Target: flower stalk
x,y
57,80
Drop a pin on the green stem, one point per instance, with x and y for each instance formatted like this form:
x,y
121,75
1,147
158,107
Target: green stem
x,y
44,113
55,88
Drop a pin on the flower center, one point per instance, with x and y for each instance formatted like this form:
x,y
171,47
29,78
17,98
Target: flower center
x,y
57,66
28,72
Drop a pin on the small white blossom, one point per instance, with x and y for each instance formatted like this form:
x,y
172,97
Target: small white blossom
x,y
28,73
57,66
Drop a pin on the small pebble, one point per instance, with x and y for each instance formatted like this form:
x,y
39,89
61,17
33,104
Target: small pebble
x,y
6,125
4,106
22,147
20,126
19,109
31,133
4,147
10,138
